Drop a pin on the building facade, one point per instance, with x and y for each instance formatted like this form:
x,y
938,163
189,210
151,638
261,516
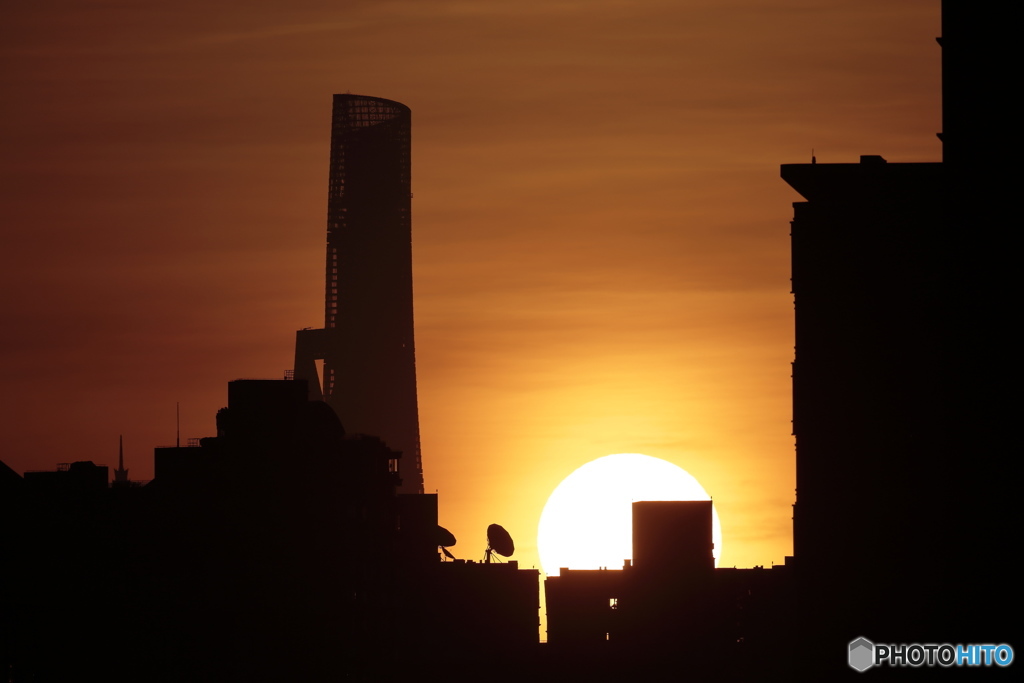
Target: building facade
x,y
367,344
906,469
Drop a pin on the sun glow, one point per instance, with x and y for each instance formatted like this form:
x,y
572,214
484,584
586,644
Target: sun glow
x,y
587,521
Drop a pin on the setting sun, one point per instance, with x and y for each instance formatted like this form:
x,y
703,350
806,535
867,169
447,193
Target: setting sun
x,y
587,521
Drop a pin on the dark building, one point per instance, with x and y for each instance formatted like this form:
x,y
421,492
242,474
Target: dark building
x,y
367,344
77,478
582,607
276,550
669,609
871,400
673,538
905,478
488,612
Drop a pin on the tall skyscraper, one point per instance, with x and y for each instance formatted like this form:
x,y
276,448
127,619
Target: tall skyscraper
x,y
368,374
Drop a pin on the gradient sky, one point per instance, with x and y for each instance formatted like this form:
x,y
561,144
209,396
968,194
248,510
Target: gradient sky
x,y
601,238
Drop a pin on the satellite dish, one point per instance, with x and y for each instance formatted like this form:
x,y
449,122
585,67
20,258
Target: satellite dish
x,y
499,541
445,538
446,553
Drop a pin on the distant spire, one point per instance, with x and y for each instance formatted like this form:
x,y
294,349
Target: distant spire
x,y
120,474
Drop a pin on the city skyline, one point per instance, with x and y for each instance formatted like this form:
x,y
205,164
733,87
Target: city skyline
x,y
600,254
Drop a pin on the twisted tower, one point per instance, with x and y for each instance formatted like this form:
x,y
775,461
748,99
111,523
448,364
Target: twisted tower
x,y
369,362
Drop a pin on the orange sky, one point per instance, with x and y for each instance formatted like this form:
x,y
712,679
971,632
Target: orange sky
x,y
601,238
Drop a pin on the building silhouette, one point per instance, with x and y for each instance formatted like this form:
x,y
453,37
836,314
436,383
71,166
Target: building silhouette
x,y
905,479
278,549
367,344
670,608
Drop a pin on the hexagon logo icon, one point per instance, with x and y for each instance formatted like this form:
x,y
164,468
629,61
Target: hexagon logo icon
x,y
862,654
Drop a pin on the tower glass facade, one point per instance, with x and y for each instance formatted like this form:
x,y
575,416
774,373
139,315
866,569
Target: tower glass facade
x,y
367,344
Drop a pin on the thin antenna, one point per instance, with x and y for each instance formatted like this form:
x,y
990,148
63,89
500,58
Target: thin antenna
x,y
814,159
120,474
177,424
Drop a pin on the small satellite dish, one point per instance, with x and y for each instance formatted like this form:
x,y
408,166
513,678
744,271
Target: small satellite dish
x,y
445,538
499,541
